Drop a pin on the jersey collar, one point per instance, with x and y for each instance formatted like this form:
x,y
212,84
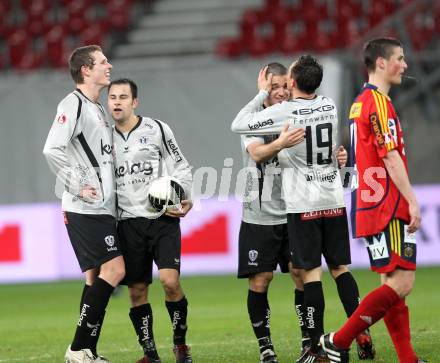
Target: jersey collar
x,y
374,88
134,128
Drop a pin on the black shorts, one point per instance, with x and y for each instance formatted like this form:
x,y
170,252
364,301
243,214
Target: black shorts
x,y
94,238
313,234
393,248
146,240
261,248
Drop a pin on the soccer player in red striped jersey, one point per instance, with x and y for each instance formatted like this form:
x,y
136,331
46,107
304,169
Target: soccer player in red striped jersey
x,y
385,211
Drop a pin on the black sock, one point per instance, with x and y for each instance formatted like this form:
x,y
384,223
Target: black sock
x,y
85,289
348,292
92,311
300,310
315,304
259,314
142,319
178,311
97,333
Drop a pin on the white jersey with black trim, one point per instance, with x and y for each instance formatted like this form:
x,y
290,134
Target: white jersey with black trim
x,y
148,151
78,150
262,200
311,180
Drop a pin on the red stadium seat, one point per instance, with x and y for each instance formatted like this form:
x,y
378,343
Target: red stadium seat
x,y
36,18
30,61
230,48
118,14
57,49
292,44
93,34
18,45
259,47
27,5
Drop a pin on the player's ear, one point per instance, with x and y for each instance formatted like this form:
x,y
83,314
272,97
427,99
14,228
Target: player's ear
x,y
85,70
135,103
380,63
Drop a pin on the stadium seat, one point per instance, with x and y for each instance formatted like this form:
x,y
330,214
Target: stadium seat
x,y
37,18
56,45
93,34
120,11
18,45
31,60
230,48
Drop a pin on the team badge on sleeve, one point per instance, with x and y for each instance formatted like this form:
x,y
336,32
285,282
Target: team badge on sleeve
x,y
355,110
61,119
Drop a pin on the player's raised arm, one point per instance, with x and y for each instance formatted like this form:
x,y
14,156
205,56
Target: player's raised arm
x,y
251,121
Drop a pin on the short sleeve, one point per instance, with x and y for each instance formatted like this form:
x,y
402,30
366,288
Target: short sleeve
x,y
382,125
247,140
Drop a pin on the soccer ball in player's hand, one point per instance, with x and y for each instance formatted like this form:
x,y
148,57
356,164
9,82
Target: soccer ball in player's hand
x,y
165,193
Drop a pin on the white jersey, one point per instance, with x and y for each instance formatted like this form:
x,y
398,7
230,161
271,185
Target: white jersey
x,y
311,180
148,151
262,201
78,150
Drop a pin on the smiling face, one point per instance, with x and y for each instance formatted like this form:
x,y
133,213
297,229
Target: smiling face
x,y
279,91
121,103
395,66
99,73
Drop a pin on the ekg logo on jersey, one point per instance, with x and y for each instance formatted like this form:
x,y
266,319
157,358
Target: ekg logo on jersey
x,y
10,243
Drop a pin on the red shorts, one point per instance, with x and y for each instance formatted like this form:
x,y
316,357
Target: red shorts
x,y
393,248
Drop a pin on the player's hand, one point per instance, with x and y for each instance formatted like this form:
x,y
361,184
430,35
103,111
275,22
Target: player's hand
x,y
186,206
341,156
415,217
290,138
89,194
263,82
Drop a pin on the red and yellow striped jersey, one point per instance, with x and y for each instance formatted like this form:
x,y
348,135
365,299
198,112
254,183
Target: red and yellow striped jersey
x,y
375,130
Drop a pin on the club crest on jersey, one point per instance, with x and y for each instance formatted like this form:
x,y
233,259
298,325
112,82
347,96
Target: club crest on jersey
x,y
143,140
393,128
253,254
62,119
355,110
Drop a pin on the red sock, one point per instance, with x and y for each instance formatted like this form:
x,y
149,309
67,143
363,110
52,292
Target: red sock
x,y
397,322
372,308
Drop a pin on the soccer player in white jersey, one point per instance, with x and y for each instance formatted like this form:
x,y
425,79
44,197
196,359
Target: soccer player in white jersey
x,y
79,151
143,147
263,242
312,189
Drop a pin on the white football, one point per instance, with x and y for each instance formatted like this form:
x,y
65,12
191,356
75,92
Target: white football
x,y
165,193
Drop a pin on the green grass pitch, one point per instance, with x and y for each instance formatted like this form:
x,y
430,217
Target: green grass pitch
x,y
37,320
